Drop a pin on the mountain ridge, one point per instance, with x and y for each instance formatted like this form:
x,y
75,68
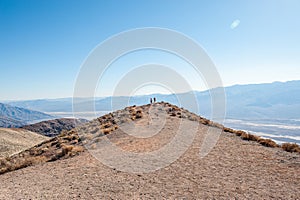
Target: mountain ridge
x,y
252,101
54,127
231,168
73,142
12,116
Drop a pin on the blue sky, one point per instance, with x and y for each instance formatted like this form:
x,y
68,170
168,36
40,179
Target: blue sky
x,y
44,43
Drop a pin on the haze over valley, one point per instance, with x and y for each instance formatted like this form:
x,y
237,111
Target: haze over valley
x,y
264,109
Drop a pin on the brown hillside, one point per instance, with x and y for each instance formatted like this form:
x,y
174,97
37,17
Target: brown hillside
x,y
54,127
239,166
14,140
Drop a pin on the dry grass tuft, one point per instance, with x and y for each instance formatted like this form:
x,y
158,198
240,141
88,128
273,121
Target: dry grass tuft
x,y
107,131
139,114
239,132
9,164
106,125
244,136
229,130
66,149
173,114
267,142
291,147
251,137
248,136
66,145
132,118
204,121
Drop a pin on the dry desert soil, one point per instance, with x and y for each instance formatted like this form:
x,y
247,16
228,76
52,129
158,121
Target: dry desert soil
x,y
233,169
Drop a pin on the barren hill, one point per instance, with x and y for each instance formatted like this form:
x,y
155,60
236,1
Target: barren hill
x,y
16,140
54,127
238,166
9,122
11,116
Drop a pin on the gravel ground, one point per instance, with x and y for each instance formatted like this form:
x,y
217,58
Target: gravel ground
x,y
234,169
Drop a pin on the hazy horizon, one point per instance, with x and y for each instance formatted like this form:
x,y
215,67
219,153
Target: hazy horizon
x,y
156,93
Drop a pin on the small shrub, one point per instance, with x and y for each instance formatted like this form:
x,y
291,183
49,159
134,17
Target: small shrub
x,y
291,147
248,136
229,130
253,137
106,131
239,133
8,164
4,165
245,136
139,115
173,114
210,123
69,138
66,149
107,125
132,118
267,142
132,111
204,121
77,149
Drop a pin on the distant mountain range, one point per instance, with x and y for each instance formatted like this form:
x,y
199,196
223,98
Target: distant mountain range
x,y
270,110
278,100
269,101
11,116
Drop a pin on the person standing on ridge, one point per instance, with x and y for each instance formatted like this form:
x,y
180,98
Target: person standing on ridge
x,y
154,99
150,100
